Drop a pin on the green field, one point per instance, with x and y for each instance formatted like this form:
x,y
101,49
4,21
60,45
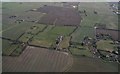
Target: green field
x,y
7,47
48,37
105,16
81,32
15,31
106,45
32,31
5,44
81,52
86,64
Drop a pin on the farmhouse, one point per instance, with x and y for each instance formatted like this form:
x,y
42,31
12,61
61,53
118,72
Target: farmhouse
x,y
59,16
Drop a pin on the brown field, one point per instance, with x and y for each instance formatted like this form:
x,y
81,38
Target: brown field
x,y
59,16
35,59
114,33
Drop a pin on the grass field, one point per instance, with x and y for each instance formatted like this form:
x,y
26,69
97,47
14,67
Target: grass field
x,y
85,64
15,31
48,37
7,47
105,16
5,44
81,52
81,32
32,31
106,45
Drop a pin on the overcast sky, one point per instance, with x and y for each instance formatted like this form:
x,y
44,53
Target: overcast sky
x,y
60,0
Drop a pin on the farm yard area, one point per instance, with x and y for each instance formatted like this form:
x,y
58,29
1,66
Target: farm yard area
x,y
59,37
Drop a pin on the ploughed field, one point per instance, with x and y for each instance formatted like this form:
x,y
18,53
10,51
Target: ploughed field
x,y
60,16
35,59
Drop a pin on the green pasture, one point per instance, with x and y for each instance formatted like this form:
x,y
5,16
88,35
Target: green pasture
x,y
5,44
87,64
106,45
48,37
10,49
32,31
81,32
15,31
105,14
62,30
81,52
17,51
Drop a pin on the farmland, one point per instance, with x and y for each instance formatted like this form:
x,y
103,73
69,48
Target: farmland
x,y
49,35
67,16
81,64
37,60
105,15
56,37
106,45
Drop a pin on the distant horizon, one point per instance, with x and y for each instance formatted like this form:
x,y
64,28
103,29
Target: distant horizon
x,y
60,1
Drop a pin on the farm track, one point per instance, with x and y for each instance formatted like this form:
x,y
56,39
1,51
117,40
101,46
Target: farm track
x,y
35,59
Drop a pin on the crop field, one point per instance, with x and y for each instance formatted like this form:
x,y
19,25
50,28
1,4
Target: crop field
x,y
35,59
69,17
47,36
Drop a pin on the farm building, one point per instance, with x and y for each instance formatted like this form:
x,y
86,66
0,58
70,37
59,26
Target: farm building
x,y
113,33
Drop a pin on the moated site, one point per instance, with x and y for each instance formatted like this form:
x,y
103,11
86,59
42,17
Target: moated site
x,y
60,37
